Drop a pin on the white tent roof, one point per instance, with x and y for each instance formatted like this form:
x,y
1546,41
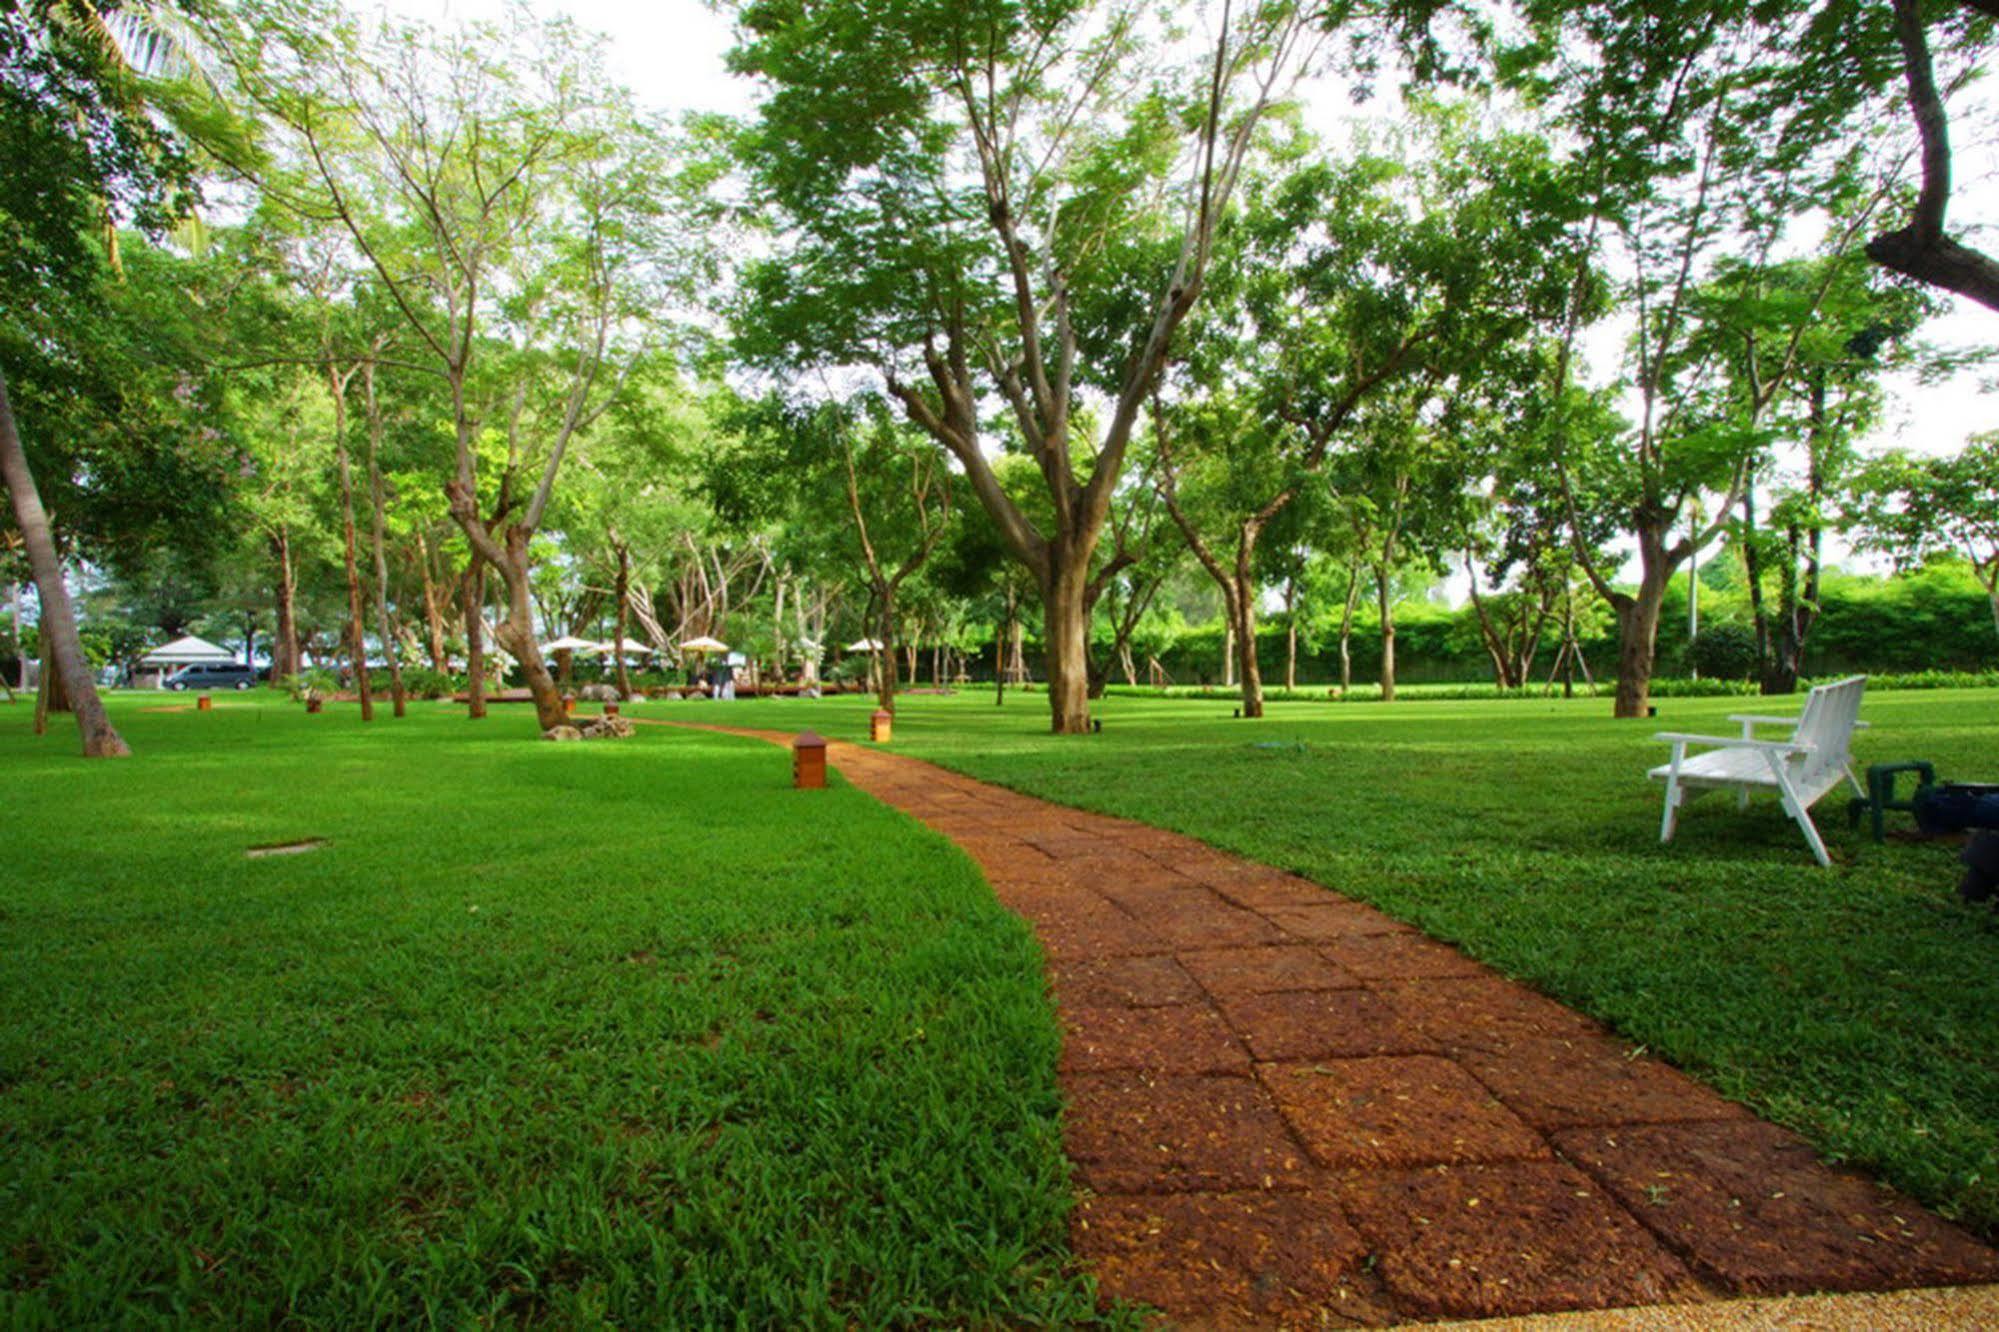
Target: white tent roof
x,y
189,651
631,647
571,643
704,644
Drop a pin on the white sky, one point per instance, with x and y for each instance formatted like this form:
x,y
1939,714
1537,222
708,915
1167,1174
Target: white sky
x,y
670,53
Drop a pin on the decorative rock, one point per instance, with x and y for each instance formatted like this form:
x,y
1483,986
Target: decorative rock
x,y
607,728
562,733
600,693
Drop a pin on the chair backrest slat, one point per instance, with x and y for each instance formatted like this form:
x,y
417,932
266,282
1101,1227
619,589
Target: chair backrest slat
x,y
1827,722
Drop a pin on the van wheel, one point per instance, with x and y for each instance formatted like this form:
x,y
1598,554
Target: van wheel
x,y
180,686
241,685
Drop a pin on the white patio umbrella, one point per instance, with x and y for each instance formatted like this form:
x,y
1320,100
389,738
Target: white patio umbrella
x,y
704,644
571,643
865,645
188,651
627,647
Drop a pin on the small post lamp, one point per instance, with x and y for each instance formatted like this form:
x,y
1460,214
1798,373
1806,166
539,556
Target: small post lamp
x,y
881,726
610,709
568,704
808,761
204,703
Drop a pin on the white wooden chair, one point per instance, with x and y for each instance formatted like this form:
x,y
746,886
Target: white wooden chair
x,y
1800,770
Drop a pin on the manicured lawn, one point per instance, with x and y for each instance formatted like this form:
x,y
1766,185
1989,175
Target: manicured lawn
x,y
564,1034
1859,1005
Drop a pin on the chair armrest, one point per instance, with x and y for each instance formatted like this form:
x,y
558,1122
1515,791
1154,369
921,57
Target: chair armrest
x,y
1733,742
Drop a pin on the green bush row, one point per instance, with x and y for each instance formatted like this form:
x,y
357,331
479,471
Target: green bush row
x,y
1671,687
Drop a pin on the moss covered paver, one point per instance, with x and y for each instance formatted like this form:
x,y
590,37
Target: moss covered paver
x,y
1288,1108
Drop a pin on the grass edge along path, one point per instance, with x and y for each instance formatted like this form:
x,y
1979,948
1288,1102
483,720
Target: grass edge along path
x,y
1288,1105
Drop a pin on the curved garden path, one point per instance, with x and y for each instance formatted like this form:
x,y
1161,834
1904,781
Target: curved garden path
x,y
1288,1108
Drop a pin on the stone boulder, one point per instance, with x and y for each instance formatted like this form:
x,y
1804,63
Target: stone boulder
x,y
562,733
600,693
607,728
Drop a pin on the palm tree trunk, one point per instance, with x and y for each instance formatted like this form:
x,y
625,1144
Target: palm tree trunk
x,y
58,622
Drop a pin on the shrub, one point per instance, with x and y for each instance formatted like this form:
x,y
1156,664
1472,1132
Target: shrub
x,y
1725,650
425,682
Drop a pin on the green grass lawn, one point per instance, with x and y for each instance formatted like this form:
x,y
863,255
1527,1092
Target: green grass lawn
x,y
566,1033
1859,1004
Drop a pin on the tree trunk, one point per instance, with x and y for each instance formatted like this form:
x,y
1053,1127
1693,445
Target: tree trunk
x,y
622,591
1346,628
357,626
433,609
379,504
1796,613
285,656
1752,572
888,665
473,599
1247,667
516,633
1228,648
1781,667
1007,629
60,641
1385,601
1290,634
53,695
1066,621
1637,640
20,643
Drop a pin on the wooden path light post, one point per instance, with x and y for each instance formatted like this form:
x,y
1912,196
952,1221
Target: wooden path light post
x,y
881,726
808,761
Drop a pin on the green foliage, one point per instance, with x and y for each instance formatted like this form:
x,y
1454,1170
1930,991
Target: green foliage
x,y
1724,649
419,682
1914,508
493,1064
314,682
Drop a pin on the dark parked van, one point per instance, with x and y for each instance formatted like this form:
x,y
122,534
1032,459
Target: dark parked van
x,y
212,675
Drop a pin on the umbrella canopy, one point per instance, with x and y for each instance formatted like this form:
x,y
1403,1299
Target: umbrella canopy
x,y
571,643
189,651
865,645
628,647
704,644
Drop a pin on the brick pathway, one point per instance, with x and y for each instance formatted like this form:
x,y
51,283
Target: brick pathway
x,y
1287,1108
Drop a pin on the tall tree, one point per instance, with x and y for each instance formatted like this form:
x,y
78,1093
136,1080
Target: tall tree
x,y
1861,328
1372,285
1011,204
1914,508
81,154
512,205
1690,161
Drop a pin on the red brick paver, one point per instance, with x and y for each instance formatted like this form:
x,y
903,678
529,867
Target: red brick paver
x,y
1288,1109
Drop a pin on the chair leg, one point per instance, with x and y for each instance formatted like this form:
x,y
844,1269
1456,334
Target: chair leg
x,y
1812,838
1742,797
1796,809
1670,819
